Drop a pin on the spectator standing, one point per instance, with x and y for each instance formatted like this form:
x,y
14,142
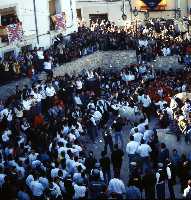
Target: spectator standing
x,y
117,159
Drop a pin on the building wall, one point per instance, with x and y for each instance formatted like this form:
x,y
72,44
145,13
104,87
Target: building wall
x,y
113,9
25,13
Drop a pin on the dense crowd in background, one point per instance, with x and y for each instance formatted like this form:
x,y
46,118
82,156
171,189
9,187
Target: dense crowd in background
x,y
156,37
45,131
48,131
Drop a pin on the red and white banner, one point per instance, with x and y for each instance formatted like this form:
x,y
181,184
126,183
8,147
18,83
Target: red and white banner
x,y
59,21
14,32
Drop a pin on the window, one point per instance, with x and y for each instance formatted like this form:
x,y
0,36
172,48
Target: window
x,y
98,17
79,13
26,48
52,7
8,16
52,11
8,54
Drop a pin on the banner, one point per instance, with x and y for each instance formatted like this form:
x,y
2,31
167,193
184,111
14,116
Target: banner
x,y
152,4
59,21
14,32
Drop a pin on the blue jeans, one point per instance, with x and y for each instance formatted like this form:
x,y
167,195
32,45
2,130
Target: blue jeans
x,y
145,163
118,136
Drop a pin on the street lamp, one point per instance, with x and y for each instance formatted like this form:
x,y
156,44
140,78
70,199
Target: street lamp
x,y
146,13
178,13
135,13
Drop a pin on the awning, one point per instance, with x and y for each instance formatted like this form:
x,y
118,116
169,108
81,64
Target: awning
x,y
8,11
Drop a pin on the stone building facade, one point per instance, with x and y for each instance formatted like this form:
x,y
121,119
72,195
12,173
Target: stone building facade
x,y
25,12
113,9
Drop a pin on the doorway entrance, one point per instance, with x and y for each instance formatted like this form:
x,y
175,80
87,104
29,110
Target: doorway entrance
x,y
98,17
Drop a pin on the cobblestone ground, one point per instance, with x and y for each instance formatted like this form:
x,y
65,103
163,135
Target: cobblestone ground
x,y
118,59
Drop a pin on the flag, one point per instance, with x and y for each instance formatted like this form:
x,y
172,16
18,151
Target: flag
x,y
59,21
152,4
14,32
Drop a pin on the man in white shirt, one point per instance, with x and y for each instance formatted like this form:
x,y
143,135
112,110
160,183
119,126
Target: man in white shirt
x,y
116,186
80,190
37,189
27,104
166,51
187,189
161,103
132,148
79,84
48,65
141,126
144,151
145,100
50,91
137,136
147,134
78,100
146,103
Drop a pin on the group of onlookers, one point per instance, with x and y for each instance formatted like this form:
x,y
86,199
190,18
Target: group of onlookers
x,y
150,39
49,130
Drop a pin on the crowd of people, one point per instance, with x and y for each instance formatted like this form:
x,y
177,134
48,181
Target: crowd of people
x,y
48,130
156,37
45,130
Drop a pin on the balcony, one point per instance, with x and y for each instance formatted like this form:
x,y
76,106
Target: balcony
x,y
8,16
3,34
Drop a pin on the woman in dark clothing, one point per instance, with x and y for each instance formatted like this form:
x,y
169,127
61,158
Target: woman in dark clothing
x,y
148,183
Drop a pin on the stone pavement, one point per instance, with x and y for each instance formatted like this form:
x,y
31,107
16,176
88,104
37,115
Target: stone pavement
x,y
118,59
168,139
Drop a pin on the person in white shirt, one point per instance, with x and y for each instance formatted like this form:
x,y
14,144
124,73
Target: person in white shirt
x,y
37,189
40,54
187,189
147,134
77,100
161,104
146,103
27,104
166,51
141,126
2,177
79,84
80,190
50,91
137,136
6,136
55,190
54,172
132,148
116,186
47,65
144,151
144,100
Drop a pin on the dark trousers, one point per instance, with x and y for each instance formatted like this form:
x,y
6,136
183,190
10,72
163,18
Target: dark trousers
x,y
110,144
117,170
160,191
150,193
107,175
93,132
171,189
